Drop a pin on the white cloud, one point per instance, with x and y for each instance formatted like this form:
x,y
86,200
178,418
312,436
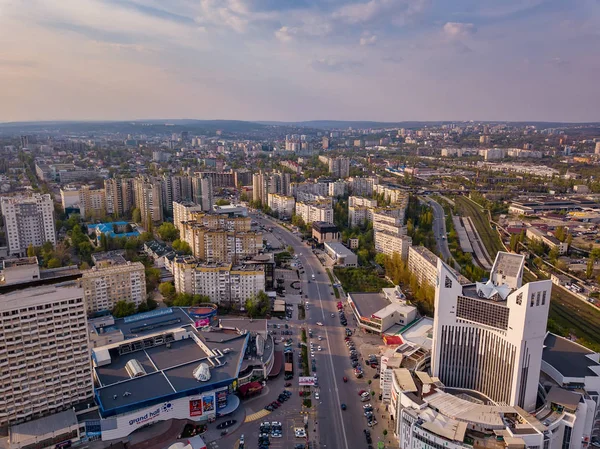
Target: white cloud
x,y
307,25
397,11
368,39
458,30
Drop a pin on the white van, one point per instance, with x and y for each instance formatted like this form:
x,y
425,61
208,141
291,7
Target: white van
x,y
313,276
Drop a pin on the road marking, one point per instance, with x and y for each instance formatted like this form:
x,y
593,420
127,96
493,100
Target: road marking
x,y
260,414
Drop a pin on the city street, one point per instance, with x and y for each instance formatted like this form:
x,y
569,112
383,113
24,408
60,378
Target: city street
x,y
439,228
336,428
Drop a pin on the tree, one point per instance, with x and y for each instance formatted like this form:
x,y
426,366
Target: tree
x,y
168,232
136,216
143,307
31,251
181,245
222,202
123,309
183,300
258,305
152,278
290,249
589,269
167,289
54,263
84,266
380,259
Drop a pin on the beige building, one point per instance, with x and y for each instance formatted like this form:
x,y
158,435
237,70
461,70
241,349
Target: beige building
x,y
389,219
184,211
69,197
108,283
358,216
422,263
92,202
362,186
221,282
119,196
389,243
44,360
361,201
148,199
282,205
316,211
391,194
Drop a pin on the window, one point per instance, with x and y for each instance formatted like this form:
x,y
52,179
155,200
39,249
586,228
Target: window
x,y
447,282
544,297
520,299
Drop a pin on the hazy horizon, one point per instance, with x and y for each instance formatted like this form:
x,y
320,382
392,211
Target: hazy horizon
x,y
300,60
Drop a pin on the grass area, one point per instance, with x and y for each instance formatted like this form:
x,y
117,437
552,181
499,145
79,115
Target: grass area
x,y
335,290
571,316
304,350
301,312
360,280
488,236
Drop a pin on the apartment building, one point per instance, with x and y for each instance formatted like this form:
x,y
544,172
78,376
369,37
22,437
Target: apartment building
x,y
282,205
422,263
354,200
92,202
237,223
358,216
338,188
148,198
223,283
28,220
389,243
175,188
202,191
69,198
221,245
362,186
265,183
110,282
391,194
339,166
316,211
44,360
390,219
552,242
184,211
119,196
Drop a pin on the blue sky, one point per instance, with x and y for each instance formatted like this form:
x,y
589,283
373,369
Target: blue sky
x,y
300,59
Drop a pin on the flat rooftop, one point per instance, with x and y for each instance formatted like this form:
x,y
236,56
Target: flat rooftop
x,y
149,323
245,324
169,369
508,264
368,304
567,357
339,248
28,431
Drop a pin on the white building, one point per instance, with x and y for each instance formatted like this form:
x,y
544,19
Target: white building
x,y
317,211
489,336
69,196
361,201
92,202
535,234
341,255
44,359
422,263
338,188
282,205
362,186
358,216
28,221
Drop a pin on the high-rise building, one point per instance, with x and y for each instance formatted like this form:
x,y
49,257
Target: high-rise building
x,y
202,192
339,167
316,211
597,149
112,281
148,198
28,220
265,183
282,205
183,211
92,202
119,195
221,245
362,186
389,243
44,360
489,336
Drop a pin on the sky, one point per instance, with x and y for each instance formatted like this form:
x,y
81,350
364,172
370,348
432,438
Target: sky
x,y
292,60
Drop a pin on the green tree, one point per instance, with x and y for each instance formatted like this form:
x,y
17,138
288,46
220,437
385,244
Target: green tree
x,y
589,269
258,305
167,289
168,232
143,307
123,309
136,216
222,202
31,251
181,245
152,278
182,300
54,263
84,266
380,259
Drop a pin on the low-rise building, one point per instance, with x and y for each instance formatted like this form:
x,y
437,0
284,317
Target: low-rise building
x,y
341,255
533,233
324,232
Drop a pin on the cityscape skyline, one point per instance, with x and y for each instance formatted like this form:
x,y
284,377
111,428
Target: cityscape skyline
x,y
386,60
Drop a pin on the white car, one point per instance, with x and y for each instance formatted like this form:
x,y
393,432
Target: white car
x,y
320,338
319,348
319,323
317,397
299,432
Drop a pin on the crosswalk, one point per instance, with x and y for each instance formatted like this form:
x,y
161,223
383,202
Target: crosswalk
x,y
258,415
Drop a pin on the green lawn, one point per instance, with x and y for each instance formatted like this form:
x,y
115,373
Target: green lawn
x,y
576,317
360,280
489,236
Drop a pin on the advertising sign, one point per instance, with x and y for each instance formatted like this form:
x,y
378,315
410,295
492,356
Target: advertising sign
x,y
208,403
202,322
306,381
221,399
195,407
151,415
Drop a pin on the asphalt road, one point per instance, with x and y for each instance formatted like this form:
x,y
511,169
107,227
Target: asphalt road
x,y
337,429
439,228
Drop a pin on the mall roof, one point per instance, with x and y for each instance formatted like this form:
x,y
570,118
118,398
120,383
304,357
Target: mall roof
x,y
152,322
169,370
569,358
55,423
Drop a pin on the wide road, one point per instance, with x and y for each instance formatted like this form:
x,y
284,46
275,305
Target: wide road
x,y
337,429
439,228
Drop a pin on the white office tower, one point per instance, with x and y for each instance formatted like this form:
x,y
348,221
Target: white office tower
x,y
44,361
489,336
28,220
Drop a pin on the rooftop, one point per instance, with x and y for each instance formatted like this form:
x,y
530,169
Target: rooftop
x,y
368,303
509,264
55,423
152,322
338,248
569,358
245,324
322,226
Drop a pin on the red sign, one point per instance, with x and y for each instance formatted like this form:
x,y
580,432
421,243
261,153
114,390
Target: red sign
x,y
196,407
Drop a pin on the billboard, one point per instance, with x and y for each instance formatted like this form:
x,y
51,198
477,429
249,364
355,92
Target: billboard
x,y
306,381
208,403
221,399
202,322
195,407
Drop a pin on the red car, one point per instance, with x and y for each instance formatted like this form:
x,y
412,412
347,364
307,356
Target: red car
x,y
345,379
361,392
287,384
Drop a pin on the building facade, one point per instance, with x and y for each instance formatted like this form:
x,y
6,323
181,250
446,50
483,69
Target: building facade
x,y
317,211
489,337
28,221
389,243
51,372
92,202
282,205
